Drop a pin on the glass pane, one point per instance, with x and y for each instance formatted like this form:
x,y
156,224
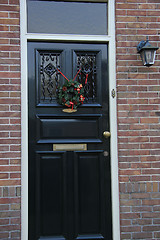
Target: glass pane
x,y
88,76
67,17
49,79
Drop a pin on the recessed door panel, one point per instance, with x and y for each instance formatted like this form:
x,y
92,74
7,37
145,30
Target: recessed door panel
x,y
69,129
50,182
88,189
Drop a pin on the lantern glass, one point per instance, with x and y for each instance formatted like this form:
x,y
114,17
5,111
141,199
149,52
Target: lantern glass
x,y
148,56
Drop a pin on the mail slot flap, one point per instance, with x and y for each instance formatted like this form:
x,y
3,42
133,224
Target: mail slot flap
x,y
70,147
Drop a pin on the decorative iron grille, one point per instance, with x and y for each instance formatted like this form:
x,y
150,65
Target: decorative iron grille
x,y
49,78
49,62
87,64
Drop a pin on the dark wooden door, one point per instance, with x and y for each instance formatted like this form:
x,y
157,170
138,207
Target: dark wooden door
x,y
69,191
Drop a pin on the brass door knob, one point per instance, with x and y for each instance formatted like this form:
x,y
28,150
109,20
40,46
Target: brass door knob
x,y
106,134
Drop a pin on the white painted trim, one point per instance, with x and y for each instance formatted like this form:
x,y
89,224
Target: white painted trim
x,y
110,38
66,37
113,123
24,124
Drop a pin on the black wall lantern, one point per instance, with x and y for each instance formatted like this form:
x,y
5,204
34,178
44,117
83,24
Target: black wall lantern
x,y
147,52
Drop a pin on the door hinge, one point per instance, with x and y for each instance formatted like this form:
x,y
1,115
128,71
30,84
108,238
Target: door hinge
x,y
113,93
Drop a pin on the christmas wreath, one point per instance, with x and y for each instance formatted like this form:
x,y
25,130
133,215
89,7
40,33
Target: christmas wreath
x,y
71,94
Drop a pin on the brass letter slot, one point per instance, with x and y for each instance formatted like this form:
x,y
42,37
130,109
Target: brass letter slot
x,y
69,147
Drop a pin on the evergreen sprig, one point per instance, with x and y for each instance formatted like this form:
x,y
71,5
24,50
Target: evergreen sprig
x,y
71,94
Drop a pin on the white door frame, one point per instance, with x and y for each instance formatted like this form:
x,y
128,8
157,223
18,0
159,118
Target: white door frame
x,y
110,39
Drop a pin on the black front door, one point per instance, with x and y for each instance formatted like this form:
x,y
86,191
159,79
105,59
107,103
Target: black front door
x,y
69,190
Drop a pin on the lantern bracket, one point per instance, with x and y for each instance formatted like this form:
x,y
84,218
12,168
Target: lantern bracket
x,y
141,45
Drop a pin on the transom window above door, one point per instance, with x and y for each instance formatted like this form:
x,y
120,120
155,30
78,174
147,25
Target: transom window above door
x,y
67,17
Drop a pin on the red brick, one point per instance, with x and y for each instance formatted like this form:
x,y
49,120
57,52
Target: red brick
x,y
142,235
14,2
123,179
150,145
4,221
136,13
10,155
10,87
130,215
126,6
133,202
128,159
10,168
14,15
15,175
142,178
136,25
142,209
15,221
4,235
150,202
9,227
4,162
4,28
150,215
15,235
4,94
4,14
9,8
125,236
4,175
126,19
15,161
140,195
129,172
9,114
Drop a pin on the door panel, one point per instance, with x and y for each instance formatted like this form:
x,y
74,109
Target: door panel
x,y
50,179
69,191
88,191
92,220
57,129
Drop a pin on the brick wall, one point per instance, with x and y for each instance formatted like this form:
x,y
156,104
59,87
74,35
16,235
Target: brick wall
x,y
138,121
9,120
